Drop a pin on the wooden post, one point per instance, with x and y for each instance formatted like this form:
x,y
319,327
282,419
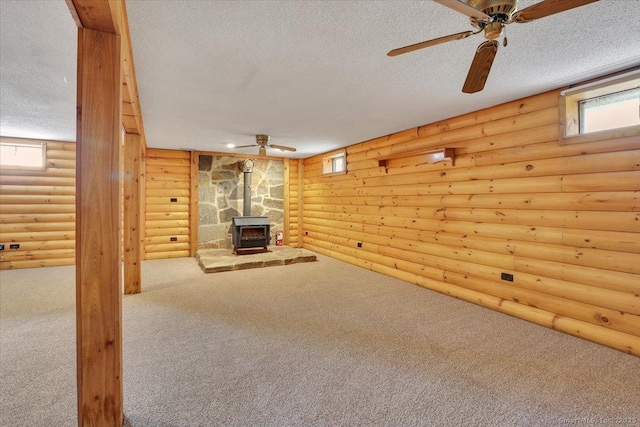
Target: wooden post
x,y
98,290
285,207
142,197
131,184
193,202
300,202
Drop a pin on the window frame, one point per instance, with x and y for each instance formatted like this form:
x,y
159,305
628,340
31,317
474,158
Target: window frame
x,y
26,142
328,161
569,108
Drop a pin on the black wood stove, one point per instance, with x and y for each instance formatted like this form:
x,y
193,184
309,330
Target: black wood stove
x,y
250,232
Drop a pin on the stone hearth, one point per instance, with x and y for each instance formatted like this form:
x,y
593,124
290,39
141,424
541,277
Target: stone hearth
x,y
218,260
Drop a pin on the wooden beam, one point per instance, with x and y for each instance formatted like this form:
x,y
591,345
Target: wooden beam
x,y
287,218
300,202
193,197
92,14
142,173
110,16
131,183
98,288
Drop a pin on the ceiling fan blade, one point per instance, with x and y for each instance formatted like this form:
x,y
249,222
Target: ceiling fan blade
x,y
422,45
546,8
465,9
245,146
480,67
282,147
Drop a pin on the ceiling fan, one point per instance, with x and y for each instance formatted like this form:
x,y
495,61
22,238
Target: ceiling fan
x,y
490,16
263,143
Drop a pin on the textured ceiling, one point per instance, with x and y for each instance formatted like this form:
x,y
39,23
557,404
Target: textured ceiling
x,y
312,74
37,70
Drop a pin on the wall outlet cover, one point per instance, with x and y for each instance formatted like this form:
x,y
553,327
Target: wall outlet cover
x,y
506,276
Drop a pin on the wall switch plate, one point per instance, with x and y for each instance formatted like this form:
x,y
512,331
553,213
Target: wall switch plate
x,y
14,246
506,276
173,239
359,244
174,200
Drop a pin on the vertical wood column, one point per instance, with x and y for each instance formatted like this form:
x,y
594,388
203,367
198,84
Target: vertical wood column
x,y
300,202
142,198
286,208
193,202
98,289
131,183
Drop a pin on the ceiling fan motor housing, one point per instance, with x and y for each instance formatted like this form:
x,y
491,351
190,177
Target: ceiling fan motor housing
x,y
495,7
500,12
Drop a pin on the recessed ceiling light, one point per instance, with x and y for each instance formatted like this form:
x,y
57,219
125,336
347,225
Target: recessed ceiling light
x,y
231,145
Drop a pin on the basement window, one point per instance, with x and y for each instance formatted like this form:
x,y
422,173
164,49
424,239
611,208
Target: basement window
x,y
612,111
30,155
604,109
334,163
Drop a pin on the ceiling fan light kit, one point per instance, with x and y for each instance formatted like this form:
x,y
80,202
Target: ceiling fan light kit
x,y
490,17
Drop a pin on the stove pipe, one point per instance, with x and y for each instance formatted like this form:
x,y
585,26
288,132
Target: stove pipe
x,y
247,169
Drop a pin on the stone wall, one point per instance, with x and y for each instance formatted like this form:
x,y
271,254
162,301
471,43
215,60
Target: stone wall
x,y
221,195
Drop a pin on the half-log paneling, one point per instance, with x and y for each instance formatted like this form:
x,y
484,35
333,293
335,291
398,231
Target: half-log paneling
x,y
37,211
294,205
167,220
562,221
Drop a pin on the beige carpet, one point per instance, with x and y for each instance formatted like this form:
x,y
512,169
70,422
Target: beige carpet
x,y
312,344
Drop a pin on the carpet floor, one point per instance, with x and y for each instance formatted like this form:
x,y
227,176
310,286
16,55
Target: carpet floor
x,y
312,344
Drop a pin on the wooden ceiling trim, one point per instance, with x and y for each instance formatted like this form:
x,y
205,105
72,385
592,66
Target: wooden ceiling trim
x,y
110,16
130,70
95,15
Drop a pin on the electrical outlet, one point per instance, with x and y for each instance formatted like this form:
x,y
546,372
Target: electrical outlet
x,y
506,276
14,246
173,239
1,246
359,244
174,200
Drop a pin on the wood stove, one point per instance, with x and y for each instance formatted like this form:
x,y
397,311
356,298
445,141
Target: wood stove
x,y
249,233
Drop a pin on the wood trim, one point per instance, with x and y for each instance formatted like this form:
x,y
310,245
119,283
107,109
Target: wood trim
x,y
327,159
98,242
110,16
128,63
605,135
300,202
423,156
131,213
286,204
91,14
142,189
193,202
568,108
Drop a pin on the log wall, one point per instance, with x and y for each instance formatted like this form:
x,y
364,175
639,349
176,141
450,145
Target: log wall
x,y
294,202
37,211
168,175
563,221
